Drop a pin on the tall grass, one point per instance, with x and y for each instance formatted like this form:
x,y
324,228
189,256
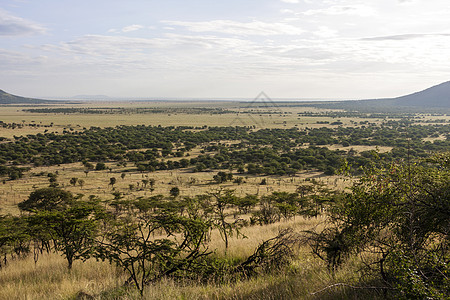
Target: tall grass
x,y
49,278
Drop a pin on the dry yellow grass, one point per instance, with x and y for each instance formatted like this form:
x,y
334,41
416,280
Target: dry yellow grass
x,y
50,279
283,117
190,184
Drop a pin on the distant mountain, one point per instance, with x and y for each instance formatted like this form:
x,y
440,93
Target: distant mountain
x,y
435,99
436,96
6,98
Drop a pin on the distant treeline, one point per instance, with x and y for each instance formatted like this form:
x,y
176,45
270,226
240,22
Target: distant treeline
x,y
169,110
122,110
265,151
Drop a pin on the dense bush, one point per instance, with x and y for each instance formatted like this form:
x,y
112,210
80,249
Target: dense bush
x,y
400,216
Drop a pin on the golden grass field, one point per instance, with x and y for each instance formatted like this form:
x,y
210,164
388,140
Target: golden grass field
x,y
285,117
190,184
97,182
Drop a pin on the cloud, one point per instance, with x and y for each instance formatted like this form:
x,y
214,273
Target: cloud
x,y
14,61
403,37
257,28
358,10
15,26
326,32
132,28
287,11
290,1
129,28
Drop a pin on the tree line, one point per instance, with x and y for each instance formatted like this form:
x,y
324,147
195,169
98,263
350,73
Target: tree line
x,y
146,145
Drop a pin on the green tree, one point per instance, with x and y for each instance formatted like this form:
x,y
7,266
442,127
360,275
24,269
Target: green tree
x,y
221,203
100,166
14,237
73,181
53,178
47,199
145,182
174,192
130,242
69,222
112,181
81,183
221,177
400,214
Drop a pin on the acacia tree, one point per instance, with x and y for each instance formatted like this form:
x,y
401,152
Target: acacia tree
x,y
112,181
70,223
129,242
174,192
400,214
47,199
220,203
81,183
73,181
14,237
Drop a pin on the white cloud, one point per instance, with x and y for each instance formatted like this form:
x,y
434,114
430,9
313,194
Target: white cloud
x,y
239,28
290,1
287,11
13,60
326,32
132,28
409,36
125,29
15,26
358,10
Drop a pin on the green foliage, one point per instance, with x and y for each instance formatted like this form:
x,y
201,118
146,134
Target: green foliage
x,y
174,192
47,199
221,177
112,181
129,242
73,181
70,223
14,237
100,166
400,214
265,151
220,203
72,230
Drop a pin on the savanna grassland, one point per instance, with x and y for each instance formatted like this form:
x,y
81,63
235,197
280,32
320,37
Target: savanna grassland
x,y
221,200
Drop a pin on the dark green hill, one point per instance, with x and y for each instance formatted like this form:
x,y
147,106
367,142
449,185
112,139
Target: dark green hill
x,y
6,98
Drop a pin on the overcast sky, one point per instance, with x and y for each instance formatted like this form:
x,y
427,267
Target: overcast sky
x,y
230,48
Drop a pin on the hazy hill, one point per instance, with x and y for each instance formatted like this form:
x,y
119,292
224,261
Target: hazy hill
x,y
436,96
6,98
431,100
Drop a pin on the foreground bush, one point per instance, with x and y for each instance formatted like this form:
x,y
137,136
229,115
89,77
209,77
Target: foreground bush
x,y
398,219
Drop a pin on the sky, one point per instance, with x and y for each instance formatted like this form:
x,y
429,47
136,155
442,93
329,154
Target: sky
x,y
302,49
